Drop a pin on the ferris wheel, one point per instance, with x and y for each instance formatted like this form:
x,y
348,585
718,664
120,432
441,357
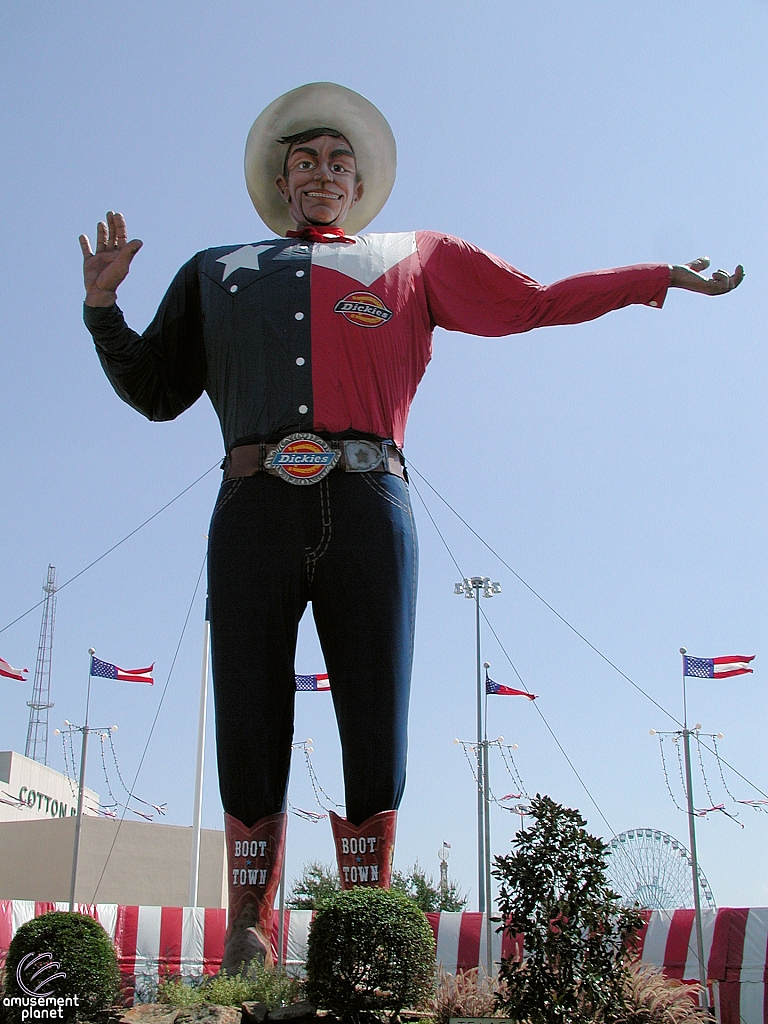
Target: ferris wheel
x,y
653,869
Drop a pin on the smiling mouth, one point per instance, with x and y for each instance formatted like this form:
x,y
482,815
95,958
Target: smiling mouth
x,y
322,195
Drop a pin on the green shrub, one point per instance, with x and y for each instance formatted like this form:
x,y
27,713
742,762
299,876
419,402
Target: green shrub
x,y
369,950
256,985
85,953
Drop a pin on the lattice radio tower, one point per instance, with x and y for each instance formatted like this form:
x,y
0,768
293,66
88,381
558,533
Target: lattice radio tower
x,y
37,730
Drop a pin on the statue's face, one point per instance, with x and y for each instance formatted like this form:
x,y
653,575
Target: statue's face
x,y
320,182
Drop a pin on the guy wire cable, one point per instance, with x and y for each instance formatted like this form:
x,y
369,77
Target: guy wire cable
x,y
541,714
115,546
154,722
554,611
548,726
543,600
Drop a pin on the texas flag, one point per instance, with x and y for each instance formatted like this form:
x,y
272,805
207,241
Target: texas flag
x,y
505,691
10,672
104,670
717,668
317,682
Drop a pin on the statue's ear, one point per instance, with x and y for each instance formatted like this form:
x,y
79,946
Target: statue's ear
x,y
282,187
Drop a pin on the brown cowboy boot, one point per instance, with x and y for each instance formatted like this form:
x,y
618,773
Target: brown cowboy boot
x,y
364,853
255,860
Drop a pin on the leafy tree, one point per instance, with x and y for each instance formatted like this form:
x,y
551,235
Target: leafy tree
x,y
318,882
554,890
313,887
427,896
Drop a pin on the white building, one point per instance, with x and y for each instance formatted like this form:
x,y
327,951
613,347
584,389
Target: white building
x,y
128,862
30,790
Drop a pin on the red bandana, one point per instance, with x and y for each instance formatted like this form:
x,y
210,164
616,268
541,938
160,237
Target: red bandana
x,y
311,233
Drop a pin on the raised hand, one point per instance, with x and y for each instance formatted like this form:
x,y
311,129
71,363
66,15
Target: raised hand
x,y
690,276
106,269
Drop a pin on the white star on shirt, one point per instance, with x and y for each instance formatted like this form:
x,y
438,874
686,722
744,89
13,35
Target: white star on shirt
x,y
244,258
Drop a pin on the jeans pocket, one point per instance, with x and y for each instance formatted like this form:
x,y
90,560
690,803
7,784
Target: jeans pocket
x,y
387,486
228,489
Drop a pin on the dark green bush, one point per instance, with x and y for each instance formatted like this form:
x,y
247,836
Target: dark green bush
x,y
555,890
86,956
369,950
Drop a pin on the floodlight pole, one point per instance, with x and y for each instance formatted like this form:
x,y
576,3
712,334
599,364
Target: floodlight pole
x,y
471,588
692,839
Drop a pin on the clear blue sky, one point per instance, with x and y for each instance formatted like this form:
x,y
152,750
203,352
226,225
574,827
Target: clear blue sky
x,y
617,466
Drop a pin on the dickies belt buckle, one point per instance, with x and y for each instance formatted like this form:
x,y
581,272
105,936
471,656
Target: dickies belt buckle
x,y
302,459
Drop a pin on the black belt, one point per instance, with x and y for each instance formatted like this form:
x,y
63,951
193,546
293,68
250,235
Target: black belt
x,y
307,458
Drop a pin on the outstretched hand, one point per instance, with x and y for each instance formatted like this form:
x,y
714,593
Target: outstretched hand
x,y
690,276
106,269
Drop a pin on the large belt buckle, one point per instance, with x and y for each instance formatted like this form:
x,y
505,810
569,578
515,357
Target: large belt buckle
x,y
302,459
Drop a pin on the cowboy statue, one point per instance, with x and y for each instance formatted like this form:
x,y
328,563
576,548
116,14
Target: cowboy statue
x,y
311,344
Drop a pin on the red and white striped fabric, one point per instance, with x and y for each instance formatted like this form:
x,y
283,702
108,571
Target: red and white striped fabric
x,y
736,951
156,941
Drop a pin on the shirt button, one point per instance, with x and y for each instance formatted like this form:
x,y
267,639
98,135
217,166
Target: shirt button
x,y
299,273
653,302
298,316
233,288
300,361
303,409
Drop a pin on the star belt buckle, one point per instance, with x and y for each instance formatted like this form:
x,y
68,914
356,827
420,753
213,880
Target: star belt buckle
x,y
302,459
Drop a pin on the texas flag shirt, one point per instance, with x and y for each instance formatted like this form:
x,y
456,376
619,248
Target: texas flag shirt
x,y
289,335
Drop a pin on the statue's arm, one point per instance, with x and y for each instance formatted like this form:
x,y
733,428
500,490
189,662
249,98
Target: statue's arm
x,y
162,371
473,291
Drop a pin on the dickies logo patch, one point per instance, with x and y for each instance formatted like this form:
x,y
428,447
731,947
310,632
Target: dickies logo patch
x,y
364,309
303,459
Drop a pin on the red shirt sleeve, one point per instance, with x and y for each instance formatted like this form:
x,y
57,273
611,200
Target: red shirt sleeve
x,y
472,291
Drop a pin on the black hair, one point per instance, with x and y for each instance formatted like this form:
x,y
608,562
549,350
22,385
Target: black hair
x,y
306,136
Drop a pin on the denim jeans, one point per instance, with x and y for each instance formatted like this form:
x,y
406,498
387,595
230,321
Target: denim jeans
x,y
348,546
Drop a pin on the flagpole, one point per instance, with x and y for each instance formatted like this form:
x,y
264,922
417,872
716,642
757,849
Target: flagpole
x,y
692,839
487,812
81,793
194,873
480,765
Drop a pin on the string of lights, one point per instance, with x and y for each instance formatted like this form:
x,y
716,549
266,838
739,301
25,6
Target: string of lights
x,y
317,789
160,808
666,773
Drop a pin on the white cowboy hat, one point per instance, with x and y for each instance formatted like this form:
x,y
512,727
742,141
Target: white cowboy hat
x,y
320,105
